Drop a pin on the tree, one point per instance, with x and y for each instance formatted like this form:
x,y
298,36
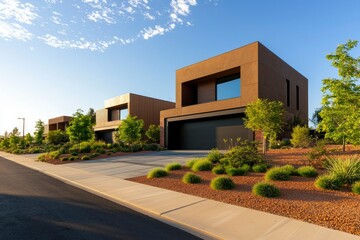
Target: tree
x,y
56,137
316,118
80,127
266,116
153,133
340,111
130,130
14,137
28,139
300,137
39,131
92,114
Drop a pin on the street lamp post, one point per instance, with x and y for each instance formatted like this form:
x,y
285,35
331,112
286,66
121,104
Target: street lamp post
x,y
23,127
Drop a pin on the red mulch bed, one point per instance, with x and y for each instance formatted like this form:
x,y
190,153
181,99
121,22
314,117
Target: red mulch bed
x,y
299,198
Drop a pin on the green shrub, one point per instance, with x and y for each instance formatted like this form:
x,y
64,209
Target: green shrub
x,y
259,168
347,170
72,158
245,153
108,145
101,151
307,171
290,169
231,171
246,167
63,159
356,188
74,152
222,183
153,133
191,178
97,145
85,147
329,182
214,155
152,147
136,147
157,173
277,174
54,154
42,157
265,189
317,153
300,137
173,166
218,169
191,162
202,165
93,155
57,137
85,157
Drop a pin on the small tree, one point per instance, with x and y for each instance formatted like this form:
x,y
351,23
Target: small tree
x,y
153,133
14,138
300,137
130,130
266,116
39,131
92,114
80,127
28,139
56,137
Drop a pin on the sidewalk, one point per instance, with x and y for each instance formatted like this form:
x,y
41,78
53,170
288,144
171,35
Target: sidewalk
x,y
202,217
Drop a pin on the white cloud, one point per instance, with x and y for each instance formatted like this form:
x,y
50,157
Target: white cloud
x,y
151,32
16,11
180,7
53,1
13,30
149,16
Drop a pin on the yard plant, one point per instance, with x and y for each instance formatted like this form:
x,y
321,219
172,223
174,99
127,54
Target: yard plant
x,y
265,189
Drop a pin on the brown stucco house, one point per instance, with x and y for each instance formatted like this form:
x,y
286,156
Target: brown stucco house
x,y
211,97
115,109
57,123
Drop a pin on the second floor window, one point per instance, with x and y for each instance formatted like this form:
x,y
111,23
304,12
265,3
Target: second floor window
x,y
228,87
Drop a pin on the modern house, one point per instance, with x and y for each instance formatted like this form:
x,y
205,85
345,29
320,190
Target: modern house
x,y
211,97
116,109
58,123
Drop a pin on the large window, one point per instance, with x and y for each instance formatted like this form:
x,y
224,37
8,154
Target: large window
x,y
118,113
228,87
123,113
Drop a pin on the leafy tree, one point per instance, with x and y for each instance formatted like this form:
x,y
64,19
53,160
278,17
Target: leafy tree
x,y
300,137
316,118
266,116
153,133
130,130
56,137
80,127
39,131
92,114
28,139
340,111
14,137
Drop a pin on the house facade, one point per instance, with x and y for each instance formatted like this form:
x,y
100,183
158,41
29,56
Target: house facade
x,y
58,123
116,109
211,97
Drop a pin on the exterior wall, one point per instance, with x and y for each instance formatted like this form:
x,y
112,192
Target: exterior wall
x,y
58,123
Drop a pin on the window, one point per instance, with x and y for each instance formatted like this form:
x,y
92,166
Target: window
x,y
297,98
117,113
123,113
288,92
228,87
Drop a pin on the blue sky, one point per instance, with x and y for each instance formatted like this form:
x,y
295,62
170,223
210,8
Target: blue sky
x,y
60,55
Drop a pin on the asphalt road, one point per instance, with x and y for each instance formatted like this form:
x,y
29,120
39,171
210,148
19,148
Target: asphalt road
x,y
35,206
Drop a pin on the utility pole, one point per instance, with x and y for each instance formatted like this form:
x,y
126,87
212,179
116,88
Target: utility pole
x,y
23,132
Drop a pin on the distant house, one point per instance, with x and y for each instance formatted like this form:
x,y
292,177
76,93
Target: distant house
x,y
116,109
211,97
58,123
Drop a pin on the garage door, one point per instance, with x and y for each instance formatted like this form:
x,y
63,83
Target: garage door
x,y
206,133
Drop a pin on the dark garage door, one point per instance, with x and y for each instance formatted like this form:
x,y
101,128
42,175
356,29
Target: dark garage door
x,y
206,133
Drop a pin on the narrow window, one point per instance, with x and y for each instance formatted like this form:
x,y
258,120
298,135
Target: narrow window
x,y
288,92
297,98
228,87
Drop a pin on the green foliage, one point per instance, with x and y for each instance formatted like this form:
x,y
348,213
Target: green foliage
x,y
300,137
218,169
231,171
136,147
130,130
356,188
39,131
97,144
91,113
101,151
85,147
202,165
157,173
173,166
346,170
307,171
259,168
266,116
80,128
54,154
265,189
63,159
222,183
290,169
93,155
317,153
277,174
73,158
316,118
85,157
191,162
28,139
153,133
246,153
42,157
57,137
191,178
152,147
214,155
340,111
329,182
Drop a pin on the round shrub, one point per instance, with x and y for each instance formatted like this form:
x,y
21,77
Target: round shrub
x,y
218,170
356,188
191,162
72,158
214,155
202,165
222,183
277,174
231,171
329,182
157,173
259,168
64,159
85,158
307,171
265,189
191,178
173,166
245,167
290,169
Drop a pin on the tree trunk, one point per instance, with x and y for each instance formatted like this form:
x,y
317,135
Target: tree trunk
x,y
264,145
343,146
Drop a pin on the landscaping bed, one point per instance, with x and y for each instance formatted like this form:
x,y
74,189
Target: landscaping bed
x,y
299,198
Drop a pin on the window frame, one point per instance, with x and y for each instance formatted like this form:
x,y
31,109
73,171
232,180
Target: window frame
x,y
225,79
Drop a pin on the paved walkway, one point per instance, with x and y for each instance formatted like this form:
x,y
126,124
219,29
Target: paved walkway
x,y
202,217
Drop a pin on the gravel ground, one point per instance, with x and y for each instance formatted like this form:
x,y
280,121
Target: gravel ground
x,y
299,198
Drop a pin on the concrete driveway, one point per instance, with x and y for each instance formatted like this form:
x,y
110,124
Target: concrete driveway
x,y
135,165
